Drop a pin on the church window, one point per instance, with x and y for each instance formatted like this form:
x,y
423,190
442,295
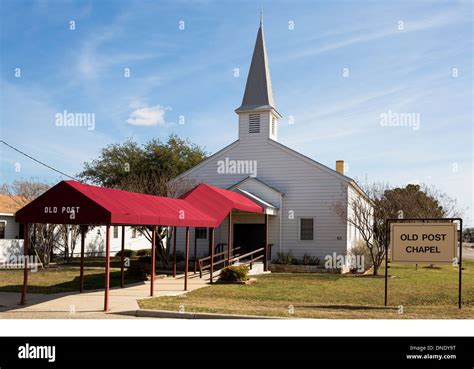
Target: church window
x,y
306,229
201,233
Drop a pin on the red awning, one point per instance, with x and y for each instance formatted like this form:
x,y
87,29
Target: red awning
x,y
218,202
71,202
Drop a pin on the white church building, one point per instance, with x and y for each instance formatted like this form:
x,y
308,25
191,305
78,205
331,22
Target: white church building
x,y
298,193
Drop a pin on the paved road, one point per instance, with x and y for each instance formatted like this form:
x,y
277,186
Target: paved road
x,y
468,253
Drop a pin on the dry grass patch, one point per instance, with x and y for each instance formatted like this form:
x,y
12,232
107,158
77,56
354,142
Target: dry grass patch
x,y
423,293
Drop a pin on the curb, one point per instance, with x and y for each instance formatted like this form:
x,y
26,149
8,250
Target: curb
x,y
147,313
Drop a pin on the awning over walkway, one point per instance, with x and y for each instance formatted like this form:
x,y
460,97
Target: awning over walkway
x,y
71,202
218,202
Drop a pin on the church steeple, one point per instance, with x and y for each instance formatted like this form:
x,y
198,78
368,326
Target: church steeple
x,y
258,95
258,90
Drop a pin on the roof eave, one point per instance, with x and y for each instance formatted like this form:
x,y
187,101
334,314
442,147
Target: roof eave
x,y
257,108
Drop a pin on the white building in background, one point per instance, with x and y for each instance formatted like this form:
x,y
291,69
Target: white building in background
x,y
95,241
299,194
10,231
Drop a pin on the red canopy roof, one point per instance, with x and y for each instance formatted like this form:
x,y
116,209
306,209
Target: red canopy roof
x,y
71,202
218,202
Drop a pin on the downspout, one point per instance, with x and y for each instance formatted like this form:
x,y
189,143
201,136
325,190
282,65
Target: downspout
x,y
281,223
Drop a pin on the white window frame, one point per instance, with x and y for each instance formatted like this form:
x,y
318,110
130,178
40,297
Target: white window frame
x,y
4,229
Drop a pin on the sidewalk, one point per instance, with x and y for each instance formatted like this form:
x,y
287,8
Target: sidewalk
x,y
122,300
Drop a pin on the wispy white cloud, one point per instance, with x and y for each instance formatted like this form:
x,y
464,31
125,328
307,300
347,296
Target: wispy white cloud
x,y
360,36
93,60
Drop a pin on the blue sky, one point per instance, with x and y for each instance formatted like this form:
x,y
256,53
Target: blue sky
x,y
399,55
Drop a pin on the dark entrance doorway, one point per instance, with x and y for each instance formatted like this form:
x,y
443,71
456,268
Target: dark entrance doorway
x,y
249,237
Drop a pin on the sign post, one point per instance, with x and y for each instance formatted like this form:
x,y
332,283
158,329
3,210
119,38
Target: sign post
x,y
417,241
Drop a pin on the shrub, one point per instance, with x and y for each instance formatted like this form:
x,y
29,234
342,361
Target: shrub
x,y
235,273
285,258
145,259
309,260
139,269
144,252
179,256
361,249
126,252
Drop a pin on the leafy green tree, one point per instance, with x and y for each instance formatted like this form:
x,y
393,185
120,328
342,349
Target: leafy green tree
x,y
413,201
147,169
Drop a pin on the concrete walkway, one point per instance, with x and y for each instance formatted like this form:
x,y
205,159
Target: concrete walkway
x,y
81,305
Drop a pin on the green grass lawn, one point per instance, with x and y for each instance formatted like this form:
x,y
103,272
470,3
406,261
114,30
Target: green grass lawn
x,y
423,293
62,279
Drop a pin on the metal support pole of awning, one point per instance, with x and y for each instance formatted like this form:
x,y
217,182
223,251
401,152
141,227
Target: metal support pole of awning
x,y
153,256
174,251
26,233
83,246
186,261
229,238
211,237
195,251
122,259
107,268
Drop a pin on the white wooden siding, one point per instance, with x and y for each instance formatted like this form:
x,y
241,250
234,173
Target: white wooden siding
x,y
309,191
11,227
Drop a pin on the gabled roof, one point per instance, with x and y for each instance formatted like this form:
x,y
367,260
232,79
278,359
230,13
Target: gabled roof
x,y
257,199
258,89
71,202
205,161
285,148
218,202
310,161
250,178
335,173
10,204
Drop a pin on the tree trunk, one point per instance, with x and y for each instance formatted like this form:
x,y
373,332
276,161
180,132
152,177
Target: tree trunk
x,y
66,243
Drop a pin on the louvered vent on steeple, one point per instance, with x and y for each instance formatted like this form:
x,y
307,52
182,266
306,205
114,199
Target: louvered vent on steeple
x,y
254,123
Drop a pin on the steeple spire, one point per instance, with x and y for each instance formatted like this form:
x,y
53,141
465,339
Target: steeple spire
x,y
258,90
